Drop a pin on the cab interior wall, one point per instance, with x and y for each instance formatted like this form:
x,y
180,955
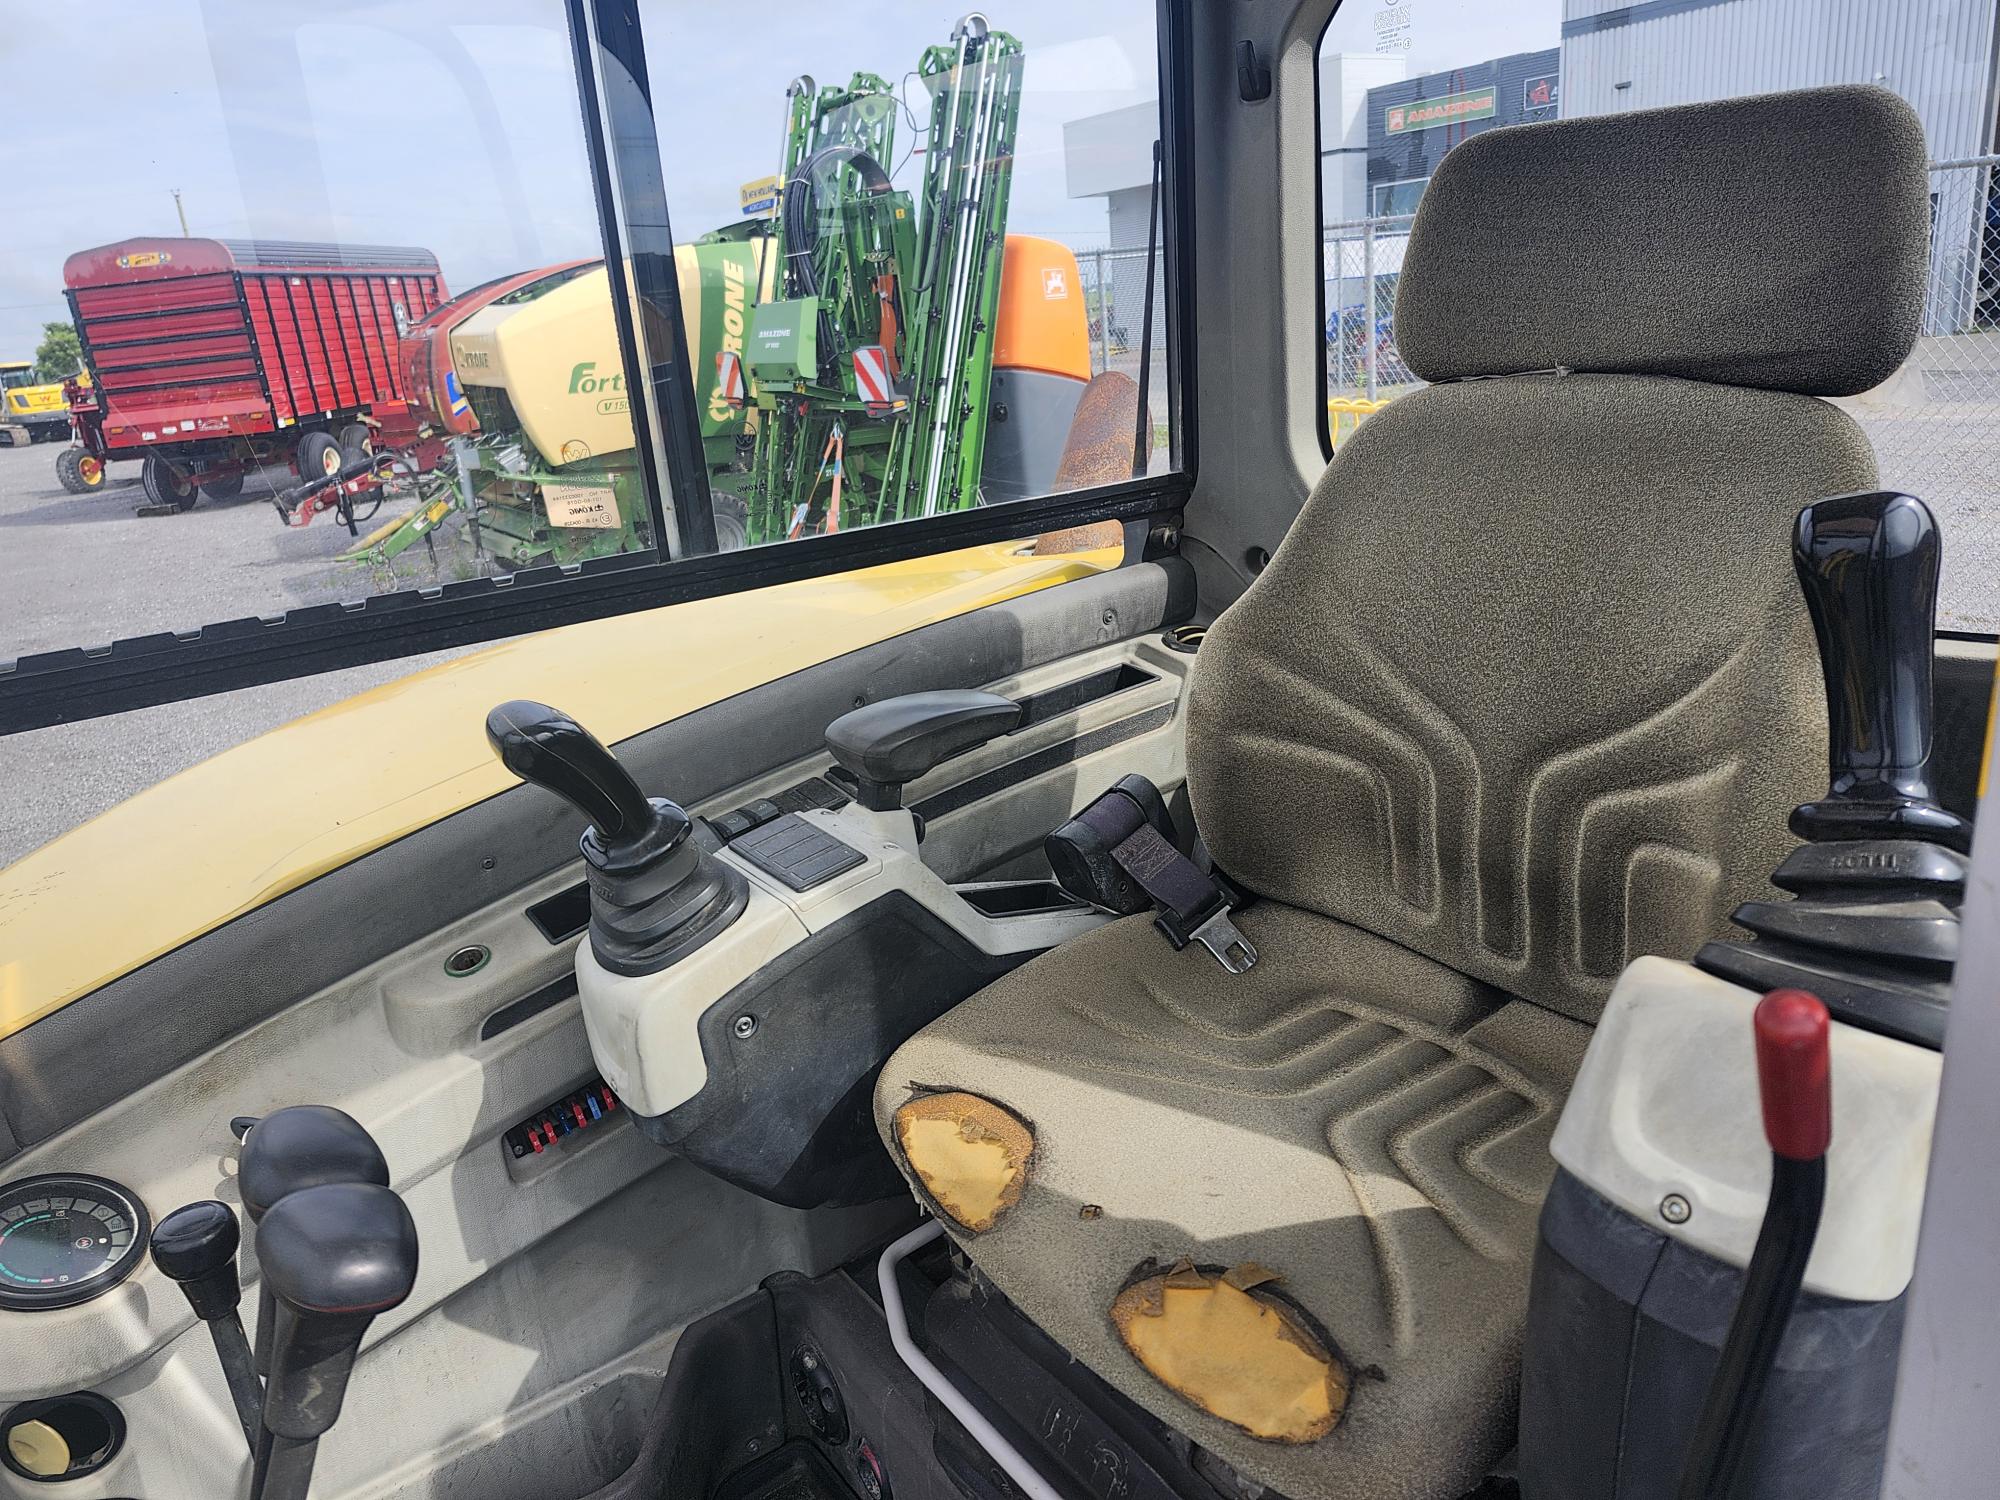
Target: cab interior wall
x,y
1255,189
91,1053
552,1290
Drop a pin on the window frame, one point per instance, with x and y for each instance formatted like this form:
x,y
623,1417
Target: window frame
x,y
628,182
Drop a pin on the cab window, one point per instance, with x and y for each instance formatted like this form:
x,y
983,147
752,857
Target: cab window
x,y
595,309
1400,86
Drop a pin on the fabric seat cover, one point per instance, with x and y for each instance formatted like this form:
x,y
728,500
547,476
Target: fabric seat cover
x,y
1526,692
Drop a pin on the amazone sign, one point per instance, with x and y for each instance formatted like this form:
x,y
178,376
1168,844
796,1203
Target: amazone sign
x,y
1446,109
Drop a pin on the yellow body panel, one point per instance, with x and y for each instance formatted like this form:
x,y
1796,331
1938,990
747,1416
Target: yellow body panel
x,y
224,837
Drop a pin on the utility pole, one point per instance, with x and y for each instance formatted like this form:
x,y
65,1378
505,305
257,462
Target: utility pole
x,y
181,211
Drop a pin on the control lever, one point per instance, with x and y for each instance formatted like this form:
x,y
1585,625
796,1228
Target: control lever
x,y
291,1149
334,1256
882,746
1794,1084
1868,564
1874,928
657,892
196,1246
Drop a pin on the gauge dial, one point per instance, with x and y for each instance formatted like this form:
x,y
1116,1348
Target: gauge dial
x,y
66,1238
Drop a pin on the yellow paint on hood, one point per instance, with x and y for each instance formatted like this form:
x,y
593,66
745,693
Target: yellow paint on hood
x,y
226,836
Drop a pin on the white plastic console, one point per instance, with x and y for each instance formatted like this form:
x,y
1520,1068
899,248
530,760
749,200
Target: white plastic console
x,y
1664,1121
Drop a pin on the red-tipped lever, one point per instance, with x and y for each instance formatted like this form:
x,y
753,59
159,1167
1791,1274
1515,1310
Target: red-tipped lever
x,y
1795,1084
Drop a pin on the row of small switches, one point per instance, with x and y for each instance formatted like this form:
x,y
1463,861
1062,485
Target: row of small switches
x,y
807,796
590,1104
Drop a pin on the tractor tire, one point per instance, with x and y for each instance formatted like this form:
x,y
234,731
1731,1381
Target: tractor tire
x,y
166,485
222,486
69,469
732,520
357,440
319,456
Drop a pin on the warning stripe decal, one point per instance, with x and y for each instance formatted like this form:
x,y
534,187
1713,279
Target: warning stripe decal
x,y
871,375
729,377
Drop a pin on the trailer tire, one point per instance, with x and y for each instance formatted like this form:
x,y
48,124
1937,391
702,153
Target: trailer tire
x,y
319,456
357,440
222,486
166,485
69,470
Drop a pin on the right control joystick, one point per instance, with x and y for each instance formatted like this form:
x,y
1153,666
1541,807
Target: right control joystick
x,y
1873,927
657,891
1869,567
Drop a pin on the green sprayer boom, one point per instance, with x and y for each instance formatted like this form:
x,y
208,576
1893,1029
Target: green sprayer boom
x,y
872,364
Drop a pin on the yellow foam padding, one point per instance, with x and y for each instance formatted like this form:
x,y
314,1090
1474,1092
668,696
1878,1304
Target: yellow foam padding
x,y
38,1448
1248,1359
970,1154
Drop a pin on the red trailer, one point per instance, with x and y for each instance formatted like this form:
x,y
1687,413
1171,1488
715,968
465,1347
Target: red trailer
x,y
210,357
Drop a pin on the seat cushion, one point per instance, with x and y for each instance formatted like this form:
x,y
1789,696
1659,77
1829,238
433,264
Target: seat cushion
x,y
1364,1122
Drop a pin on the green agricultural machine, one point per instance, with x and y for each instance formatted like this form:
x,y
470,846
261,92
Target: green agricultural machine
x,y
844,339
871,365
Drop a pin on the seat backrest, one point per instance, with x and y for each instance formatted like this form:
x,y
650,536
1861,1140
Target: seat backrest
x,y
1529,686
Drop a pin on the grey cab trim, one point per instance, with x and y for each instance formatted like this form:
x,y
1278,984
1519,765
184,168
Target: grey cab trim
x,y
95,1051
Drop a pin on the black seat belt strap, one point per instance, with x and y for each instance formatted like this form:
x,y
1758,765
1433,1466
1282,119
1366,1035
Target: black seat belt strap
x,y
1190,906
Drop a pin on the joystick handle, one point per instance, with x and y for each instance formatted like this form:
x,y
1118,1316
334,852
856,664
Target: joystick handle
x,y
546,746
1868,564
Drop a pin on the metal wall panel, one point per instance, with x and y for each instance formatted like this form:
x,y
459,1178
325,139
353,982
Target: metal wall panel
x,y
1938,54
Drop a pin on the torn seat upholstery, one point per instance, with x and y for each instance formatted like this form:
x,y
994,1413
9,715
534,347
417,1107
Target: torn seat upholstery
x,y
1526,692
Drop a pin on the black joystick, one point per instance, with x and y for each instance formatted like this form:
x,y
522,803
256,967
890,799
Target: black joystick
x,y
1873,930
301,1146
196,1246
1869,567
657,891
334,1257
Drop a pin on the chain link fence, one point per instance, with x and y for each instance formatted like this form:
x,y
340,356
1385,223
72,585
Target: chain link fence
x,y
1935,424
1114,297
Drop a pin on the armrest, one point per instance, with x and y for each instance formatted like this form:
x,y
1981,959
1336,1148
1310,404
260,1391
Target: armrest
x,y
883,745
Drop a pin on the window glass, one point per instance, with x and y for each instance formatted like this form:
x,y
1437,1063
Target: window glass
x,y
1404,82
267,231
922,244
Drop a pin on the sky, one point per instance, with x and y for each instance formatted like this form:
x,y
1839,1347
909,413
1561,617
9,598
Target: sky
x,y
453,124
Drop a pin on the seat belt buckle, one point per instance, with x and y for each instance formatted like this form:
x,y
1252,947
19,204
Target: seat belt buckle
x,y
1215,932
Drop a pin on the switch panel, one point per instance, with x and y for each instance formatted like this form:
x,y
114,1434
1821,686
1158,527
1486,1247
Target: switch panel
x,y
593,1104
799,853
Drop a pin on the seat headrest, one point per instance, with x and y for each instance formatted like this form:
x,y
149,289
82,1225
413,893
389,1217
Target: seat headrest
x,y
1777,241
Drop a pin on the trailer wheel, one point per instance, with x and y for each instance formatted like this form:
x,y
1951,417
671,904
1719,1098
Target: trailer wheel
x,y
319,456
357,440
224,486
69,469
166,485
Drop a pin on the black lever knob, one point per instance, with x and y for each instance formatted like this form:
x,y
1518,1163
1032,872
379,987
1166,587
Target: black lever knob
x,y
1868,564
546,746
302,1146
334,1257
196,1246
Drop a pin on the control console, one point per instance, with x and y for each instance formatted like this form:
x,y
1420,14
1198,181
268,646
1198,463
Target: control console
x,y
745,977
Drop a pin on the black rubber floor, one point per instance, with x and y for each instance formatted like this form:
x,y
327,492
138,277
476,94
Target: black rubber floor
x,y
794,1472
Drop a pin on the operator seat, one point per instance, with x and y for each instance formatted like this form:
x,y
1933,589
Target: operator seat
x,y
1527,692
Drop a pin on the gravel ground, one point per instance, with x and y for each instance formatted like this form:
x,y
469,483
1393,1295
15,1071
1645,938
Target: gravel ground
x,y
83,570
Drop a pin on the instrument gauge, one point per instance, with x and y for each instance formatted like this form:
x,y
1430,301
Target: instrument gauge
x,y
65,1238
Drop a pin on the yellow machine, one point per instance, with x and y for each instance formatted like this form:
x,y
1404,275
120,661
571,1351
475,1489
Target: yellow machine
x,y
30,412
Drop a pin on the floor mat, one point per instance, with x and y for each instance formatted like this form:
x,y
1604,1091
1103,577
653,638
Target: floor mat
x,y
794,1472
